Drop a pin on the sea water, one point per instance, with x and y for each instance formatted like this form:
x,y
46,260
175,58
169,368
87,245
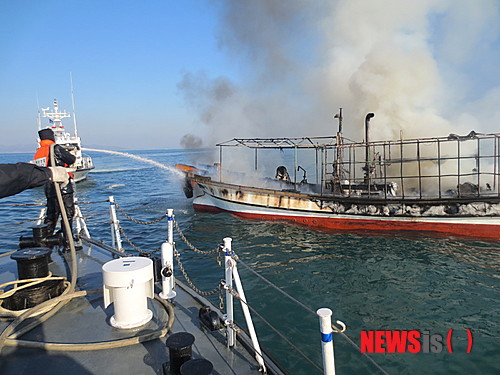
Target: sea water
x,y
372,281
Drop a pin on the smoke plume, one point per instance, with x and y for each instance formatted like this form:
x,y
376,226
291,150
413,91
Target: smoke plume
x,y
412,63
191,141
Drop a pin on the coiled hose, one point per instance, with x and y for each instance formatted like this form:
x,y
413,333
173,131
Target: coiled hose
x,y
7,340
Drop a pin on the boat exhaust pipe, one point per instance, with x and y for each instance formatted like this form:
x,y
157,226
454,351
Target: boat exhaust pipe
x,y
367,168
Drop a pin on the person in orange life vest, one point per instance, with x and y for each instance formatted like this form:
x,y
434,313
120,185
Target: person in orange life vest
x,y
63,158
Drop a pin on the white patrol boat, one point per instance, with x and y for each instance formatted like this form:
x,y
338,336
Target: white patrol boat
x,y
72,143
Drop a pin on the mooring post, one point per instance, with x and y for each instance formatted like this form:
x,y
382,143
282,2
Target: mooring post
x,y
228,261
167,260
325,325
115,229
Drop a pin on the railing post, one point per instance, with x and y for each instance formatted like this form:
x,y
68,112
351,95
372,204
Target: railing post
x,y
79,221
167,260
325,324
248,318
228,261
41,216
115,229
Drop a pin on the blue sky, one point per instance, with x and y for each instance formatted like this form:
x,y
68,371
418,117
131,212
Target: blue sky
x,y
146,73
126,58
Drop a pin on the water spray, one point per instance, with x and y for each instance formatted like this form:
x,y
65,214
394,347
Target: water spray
x,y
132,156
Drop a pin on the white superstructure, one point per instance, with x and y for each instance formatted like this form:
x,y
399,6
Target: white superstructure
x,y
72,143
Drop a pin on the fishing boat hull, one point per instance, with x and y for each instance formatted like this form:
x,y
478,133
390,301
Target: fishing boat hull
x,y
465,217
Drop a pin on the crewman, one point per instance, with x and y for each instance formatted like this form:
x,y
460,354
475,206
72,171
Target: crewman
x,y
62,158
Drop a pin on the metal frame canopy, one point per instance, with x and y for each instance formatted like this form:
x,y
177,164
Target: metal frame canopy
x,y
331,141
279,143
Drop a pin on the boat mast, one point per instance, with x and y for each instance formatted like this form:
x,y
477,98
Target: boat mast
x,y
339,141
73,103
55,118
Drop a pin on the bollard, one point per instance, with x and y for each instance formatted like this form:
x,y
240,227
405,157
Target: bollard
x,y
325,324
167,261
229,297
180,350
198,366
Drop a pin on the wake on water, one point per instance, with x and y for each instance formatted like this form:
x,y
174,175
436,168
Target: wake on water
x,y
172,170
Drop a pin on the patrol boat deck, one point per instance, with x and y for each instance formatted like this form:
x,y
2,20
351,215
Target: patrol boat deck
x,y
85,320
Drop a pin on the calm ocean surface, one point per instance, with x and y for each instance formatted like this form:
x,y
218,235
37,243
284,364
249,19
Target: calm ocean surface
x,y
371,281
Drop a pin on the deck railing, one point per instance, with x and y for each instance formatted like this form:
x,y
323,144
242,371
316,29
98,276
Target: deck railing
x,y
452,167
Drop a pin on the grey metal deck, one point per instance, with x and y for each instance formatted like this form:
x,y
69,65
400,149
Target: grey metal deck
x,y
84,319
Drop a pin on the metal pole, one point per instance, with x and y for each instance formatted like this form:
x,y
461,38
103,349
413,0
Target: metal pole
x,y
255,159
458,168
167,261
115,229
41,216
77,217
478,166
73,104
248,319
317,167
228,261
419,170
220,163
80,222
325,324
439,167
295,163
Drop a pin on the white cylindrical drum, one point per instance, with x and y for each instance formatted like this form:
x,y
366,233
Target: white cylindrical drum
x,y
128,282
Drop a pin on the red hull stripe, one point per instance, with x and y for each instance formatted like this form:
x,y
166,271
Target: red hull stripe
x,y
462,229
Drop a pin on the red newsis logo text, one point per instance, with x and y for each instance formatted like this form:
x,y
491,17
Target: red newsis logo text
x,y
411,341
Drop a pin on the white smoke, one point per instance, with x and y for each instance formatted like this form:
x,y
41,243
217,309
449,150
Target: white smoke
x,y
301,60
425,68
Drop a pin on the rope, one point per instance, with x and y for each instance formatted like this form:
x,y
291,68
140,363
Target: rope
x,y
7,254
137,221
338,330
22,205
6,314
87,202
23,222
7,337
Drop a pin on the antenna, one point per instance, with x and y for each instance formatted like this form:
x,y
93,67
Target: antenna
x,y
39,120
73,103
339,116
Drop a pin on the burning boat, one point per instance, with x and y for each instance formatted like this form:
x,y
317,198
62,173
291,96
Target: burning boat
x,y
443,184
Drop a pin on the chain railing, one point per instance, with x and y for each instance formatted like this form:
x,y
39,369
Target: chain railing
x,y
145,252
224,287
138,221
218,249
218,289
